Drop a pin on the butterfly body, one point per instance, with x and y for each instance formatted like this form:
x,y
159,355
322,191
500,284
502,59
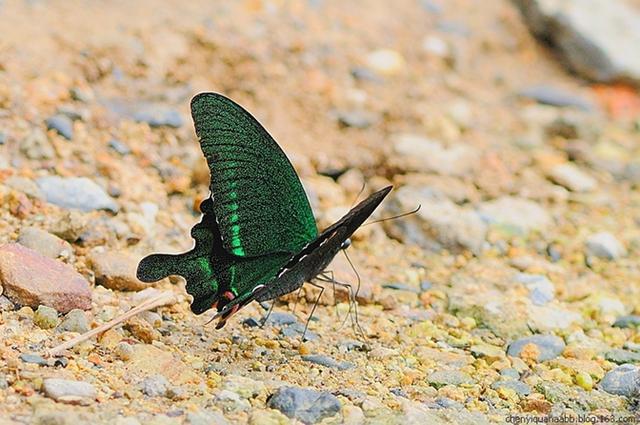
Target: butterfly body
x,y
257,239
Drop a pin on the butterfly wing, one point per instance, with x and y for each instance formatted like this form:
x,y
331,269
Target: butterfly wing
x,y
259,201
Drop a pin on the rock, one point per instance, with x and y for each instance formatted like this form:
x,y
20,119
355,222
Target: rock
x,y
605,245
157,115
44,243
62,124
149,360
281,319
24,185
6,304
537,347
419,154
620,356
116,270
488,352
584,381
206,417
571,177
46,317
124,351
119,147
74,321
296,330
37,146
356,119
623,380
34,359
593,36
386,62
541,290
142,330
76,192
440,378
436,46
380,353
553,96
510,373
518,215
69,225
519,387
438,224
629,321
231,402
306,405
154,386
245,387
68,391
31,279
327,361
550,318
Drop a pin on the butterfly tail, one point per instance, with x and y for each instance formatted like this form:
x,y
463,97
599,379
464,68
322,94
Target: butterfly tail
x,y
158,266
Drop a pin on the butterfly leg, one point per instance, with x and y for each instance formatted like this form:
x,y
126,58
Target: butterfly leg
x,y
266,316
313,309
327,276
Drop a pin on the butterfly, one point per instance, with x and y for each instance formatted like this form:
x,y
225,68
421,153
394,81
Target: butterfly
x,y
257,239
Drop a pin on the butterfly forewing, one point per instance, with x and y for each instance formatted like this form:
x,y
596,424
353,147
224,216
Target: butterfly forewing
x,y
259,201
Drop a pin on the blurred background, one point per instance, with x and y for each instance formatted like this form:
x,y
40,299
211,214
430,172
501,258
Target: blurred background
x,y
515,124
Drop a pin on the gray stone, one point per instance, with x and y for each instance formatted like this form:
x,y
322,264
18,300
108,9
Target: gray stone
x,y
549,346
519,387
77,193
24,185
440,378
119,147
595,37
629,321
34,358
155,386
6,304
44,243
327,361
296,330
605,245
74,321
553,96
157,115
510,373
68,391
281,319
62,124
419,154
572,178
518,215
623,380
306,405
620,356
541,290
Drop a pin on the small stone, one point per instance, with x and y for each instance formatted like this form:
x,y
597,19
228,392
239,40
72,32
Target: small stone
x,y
386,62
605,245
24,185
152,318
356,119
78,193
541,290
510,373
68,391
34,358
620,356
485,351
306,405
206,417
157,115
6,304
281,319
553,96
124,351
154,386
37,146
230,402
149,360
46,317
520,388
420,154
548,346
30,279
119,147
327,361
551,318
62,124
629,321
116,270
440,378
584,381
74,321
44,243
296,330
436,46
571,177
623,380
380,353
516,214
142,330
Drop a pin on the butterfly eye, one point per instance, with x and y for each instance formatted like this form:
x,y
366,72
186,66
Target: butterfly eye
x,y
346,244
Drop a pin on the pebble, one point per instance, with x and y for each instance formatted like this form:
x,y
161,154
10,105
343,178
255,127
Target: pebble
x,y
541,289
516,214
380,353
124,351
296,330
142,330
24,185
620,356
44,243
230,402
68,391
6,304
584,381
327,361
46,317
36,145
547,347
306,405
116,270
206,417
519,387
417,153
605,245
554,96
119,147
78,193
157,115
154,386
485,351
62,124
623,380
550,318
149,360
440,378
592,35
572,178
436,46
34,359
629,321
386,62
510,373
281,319
30,279
74,321
356,119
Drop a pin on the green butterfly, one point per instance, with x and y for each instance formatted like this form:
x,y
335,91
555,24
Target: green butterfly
x,y
258,238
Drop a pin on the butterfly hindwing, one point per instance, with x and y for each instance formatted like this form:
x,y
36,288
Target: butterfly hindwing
x,y
258,199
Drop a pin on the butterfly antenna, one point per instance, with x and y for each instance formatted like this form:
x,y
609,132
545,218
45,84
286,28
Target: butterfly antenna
x,y
354,296
393,217
364,184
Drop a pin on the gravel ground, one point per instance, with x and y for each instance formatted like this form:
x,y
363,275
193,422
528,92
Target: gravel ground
x,y
513,291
